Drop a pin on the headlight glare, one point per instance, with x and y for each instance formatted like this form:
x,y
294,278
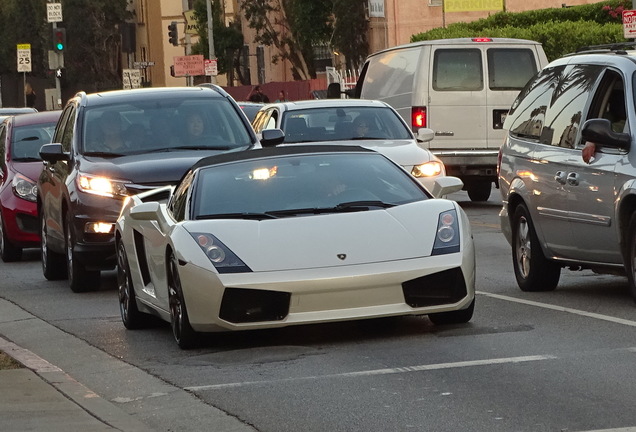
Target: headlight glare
x,y
428,169
25,188
102,186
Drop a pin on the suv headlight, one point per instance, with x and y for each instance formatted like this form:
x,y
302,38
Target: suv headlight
x,y
102,186
25,188
447,236
428,169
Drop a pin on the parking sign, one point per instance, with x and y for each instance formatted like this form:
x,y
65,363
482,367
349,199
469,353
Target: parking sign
x,y
629,24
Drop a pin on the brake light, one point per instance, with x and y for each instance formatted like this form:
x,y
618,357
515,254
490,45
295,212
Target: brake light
x,y
482,40
418,117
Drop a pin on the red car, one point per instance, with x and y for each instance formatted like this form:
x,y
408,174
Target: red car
x,y
21,137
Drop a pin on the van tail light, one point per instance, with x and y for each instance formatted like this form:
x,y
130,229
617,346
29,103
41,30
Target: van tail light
x,y
482,39
418,117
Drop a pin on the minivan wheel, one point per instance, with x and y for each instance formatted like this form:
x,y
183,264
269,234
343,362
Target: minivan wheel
x,y
479,190
53,263
79,279
183,333
532,270
8,251
630,259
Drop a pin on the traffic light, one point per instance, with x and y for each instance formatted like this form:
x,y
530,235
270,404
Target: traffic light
x,y
173,34
59,39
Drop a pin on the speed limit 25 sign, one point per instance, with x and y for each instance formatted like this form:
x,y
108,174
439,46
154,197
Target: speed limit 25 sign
x,y
24,57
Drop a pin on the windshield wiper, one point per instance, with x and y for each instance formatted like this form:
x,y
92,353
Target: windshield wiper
x,y
363,205
202,147
342,207
243,215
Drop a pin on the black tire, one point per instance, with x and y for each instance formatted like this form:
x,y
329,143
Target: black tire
x,y
630,258
130,315
532,270
79,279
8,251
479,190
53,263
453,317
183,333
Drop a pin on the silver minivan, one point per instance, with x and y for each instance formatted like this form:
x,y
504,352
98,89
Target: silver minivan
x,y
462,89
560,211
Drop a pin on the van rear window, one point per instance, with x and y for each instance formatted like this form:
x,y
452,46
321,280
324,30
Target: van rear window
x,y
457,70
510,68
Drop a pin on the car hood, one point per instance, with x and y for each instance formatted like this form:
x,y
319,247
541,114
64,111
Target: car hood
x,y
403,152
30,169
330,240
149,168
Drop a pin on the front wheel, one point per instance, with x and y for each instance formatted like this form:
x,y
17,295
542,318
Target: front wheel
x,y
8,251
79,279
130,315
183,333
453,317
533,271
53,264
630,259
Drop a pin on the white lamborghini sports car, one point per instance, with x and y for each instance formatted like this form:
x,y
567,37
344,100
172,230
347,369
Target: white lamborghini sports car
x,y
293,235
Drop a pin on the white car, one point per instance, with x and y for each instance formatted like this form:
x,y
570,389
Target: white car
x,y
343,121
293,235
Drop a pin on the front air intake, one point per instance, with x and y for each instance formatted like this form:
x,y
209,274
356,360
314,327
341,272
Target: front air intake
x,y
242,305
445,287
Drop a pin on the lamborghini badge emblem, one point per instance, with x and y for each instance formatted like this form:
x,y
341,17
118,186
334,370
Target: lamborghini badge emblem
x,y
342,256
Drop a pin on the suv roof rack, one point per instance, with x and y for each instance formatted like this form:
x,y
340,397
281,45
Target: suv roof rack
x,y
618,46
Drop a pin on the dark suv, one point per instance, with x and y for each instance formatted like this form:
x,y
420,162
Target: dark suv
x,y
559,210
110,145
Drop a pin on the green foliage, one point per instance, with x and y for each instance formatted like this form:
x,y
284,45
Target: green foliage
x,y
228,39
350,29
560,30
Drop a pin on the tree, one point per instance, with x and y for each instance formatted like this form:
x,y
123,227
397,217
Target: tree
x,y
228,39
293,27
350,30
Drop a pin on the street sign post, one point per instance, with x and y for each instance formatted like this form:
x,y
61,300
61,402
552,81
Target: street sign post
x,y
24,57
629,24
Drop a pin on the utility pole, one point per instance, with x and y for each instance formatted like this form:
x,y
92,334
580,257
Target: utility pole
x,y
211,54
188,47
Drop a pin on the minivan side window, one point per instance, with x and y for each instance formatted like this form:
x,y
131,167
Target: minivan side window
x,y
568,106
510,68
527,113
457,70
609,101
394,73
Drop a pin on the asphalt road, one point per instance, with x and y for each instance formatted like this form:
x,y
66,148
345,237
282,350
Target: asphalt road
x,y
558,361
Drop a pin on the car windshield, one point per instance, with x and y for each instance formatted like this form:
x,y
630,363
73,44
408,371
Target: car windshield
x,y
27,140
297,185
343,123
167,125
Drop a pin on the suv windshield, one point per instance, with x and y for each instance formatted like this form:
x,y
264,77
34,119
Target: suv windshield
x,y
343,123
166,125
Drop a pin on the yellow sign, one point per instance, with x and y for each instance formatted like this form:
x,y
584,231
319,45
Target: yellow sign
x,y
190,22
24,46
472,5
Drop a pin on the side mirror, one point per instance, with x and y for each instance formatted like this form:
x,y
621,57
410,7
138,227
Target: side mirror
x,y
333,91
425,134
148,211
600,131
446,185
272,137
54,153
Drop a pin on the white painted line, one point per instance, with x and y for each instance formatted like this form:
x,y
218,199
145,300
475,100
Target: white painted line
x,y
561,309
627,429
405,369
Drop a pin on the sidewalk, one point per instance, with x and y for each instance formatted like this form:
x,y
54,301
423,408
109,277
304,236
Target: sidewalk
x,y
41,397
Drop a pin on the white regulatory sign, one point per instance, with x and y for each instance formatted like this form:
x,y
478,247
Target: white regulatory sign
x,y
629,24
131,78
24,57
54,12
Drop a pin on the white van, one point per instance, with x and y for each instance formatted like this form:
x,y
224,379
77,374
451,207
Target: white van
x,y
460,88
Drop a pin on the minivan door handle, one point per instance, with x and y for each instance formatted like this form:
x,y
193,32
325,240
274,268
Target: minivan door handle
x,y
573,179
560,177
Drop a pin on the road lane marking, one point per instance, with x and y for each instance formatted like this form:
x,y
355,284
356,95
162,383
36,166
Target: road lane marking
x,y
561,309
405,369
